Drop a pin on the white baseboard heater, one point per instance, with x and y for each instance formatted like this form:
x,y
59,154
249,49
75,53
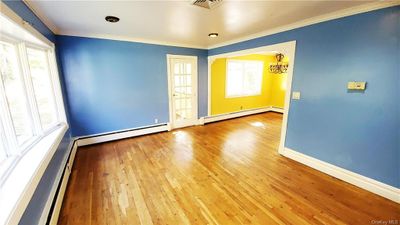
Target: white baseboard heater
x,y
62,185
226,116
121,134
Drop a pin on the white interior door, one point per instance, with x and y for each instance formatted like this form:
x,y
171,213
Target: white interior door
x,y
182,90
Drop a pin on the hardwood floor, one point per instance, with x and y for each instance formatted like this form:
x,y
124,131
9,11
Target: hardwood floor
x,y
221,173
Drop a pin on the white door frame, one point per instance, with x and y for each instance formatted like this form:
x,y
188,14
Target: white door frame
x,y
195,88
289,50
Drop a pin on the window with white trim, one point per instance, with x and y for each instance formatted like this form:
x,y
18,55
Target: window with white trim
x,y
243,78
30,96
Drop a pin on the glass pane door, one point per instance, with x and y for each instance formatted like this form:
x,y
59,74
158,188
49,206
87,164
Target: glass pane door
x,y
183,94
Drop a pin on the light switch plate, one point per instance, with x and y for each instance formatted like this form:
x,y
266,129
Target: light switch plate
x,y
356,85
296,95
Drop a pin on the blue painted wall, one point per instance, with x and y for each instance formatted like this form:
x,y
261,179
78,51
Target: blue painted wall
x,y
114,85
356,131
36,205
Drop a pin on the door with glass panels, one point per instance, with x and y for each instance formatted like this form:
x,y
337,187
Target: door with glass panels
x,y
183,90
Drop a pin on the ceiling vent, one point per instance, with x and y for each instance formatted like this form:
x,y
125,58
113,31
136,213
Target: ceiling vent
x,y
208,4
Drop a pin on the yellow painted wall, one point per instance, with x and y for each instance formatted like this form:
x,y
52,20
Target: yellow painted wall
x,y
272,93
278,87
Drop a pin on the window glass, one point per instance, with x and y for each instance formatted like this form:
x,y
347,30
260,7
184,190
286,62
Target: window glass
x,y
3,154
15,93
42,86
29,93
244,78
3,150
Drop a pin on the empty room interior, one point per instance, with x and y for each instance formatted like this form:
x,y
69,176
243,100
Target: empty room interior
x,y
199,112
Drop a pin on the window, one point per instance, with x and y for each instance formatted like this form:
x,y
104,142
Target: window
x,y
32,116
3,155
30,95
243,78
42,87
14,93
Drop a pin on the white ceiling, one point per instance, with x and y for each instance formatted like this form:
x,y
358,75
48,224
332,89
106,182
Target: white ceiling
x,y
179,22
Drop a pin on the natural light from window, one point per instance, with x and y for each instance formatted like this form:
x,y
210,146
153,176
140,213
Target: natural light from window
x,y
30,97
14,93
42,87
32,118
243,78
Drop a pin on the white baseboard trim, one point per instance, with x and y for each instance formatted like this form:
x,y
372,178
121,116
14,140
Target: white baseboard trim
x,y
60,195
276,109
59,198
201,121
99,138
214,118
358,180
53,193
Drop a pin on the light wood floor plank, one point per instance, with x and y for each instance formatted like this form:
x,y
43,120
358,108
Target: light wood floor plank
x,y
221,173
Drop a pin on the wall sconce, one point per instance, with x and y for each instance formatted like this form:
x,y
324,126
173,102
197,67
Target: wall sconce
x,y
279,67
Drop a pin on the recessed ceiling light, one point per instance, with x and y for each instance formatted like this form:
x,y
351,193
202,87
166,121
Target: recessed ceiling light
x,y
213,35
112,19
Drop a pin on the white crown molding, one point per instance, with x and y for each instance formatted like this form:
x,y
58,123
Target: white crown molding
x,y
42,17
314,20
131,39
358,180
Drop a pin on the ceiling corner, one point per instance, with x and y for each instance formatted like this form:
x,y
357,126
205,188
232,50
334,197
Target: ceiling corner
x,y
42,17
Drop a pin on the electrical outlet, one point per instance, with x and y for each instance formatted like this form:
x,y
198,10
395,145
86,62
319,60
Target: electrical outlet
x,y
296,95
356,85
241,107
156,120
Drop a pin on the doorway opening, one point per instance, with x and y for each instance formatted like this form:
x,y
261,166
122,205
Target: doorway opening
x,y
247,82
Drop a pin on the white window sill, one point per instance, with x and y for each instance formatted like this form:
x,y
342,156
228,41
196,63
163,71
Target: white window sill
x,y
17,190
